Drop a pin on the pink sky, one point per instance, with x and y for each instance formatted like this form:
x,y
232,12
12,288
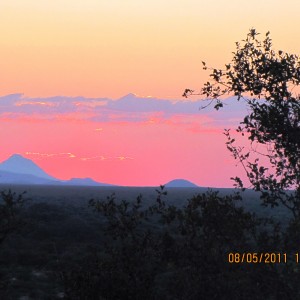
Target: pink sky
x,y
103,50
130,141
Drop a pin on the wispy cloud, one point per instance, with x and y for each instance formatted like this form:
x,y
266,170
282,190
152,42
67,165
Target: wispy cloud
x,y
130,108
124,158
36,103
69,155
91,103
48,155
94,158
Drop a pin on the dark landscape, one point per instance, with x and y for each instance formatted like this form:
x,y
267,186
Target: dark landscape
x,y
61,248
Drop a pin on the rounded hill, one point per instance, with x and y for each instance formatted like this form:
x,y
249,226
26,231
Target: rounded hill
x,y
180,183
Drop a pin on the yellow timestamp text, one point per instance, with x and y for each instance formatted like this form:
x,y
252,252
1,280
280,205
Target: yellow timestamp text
x,y
261,258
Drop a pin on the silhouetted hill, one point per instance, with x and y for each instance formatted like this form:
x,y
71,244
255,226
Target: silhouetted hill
x,y
84,182
20,170
180,183
15,178
21,165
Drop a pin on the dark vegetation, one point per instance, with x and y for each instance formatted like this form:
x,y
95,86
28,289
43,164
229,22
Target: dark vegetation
x,y
154,247
157,244
267,80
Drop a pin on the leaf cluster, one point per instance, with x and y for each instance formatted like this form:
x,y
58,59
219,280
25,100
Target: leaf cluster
x,y
266,80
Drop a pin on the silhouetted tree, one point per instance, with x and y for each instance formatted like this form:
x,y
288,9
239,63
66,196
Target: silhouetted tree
x,y
10,203
166,252
267,81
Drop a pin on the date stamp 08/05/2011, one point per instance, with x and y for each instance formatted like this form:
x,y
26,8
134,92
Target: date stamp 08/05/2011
x,y
262,258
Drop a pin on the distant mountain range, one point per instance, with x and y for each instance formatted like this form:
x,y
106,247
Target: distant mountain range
x,y
20,170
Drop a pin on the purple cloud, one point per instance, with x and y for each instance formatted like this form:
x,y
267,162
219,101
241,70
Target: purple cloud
x,y
130,108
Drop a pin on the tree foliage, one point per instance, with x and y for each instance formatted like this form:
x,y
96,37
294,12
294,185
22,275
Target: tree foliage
x,y
267,81
10,221
10,203
165,252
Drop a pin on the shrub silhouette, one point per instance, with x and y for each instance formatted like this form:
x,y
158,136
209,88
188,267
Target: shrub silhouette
x,y
10,221
166,252
10,203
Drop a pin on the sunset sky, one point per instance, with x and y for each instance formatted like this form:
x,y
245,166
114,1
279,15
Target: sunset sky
x,y
68,66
